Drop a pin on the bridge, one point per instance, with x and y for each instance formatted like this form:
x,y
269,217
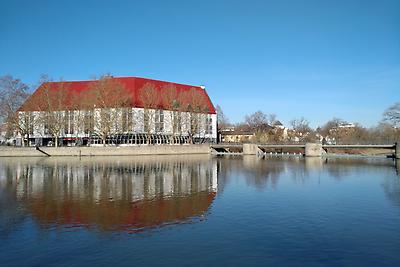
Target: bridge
x,y
308,149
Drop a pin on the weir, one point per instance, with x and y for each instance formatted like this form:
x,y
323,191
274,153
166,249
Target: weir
x,y
308,149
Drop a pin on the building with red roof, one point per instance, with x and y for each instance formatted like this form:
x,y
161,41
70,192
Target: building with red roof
x,y
117,111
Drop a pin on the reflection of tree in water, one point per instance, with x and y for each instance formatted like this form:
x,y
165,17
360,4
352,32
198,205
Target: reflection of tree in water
x,y
263,172
11,212
342,167
129,194
258,172
391,186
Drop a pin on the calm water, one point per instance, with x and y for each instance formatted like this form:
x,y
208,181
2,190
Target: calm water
x,y
199,210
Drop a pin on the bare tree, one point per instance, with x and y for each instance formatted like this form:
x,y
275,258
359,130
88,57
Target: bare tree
x,y
24,124
171,102
384,133
302,129
257,121
52,108
83,121
195,104
150,98
107,96
272,119
300,125
392,114
262,125
330,126
332,130
13,94
222,119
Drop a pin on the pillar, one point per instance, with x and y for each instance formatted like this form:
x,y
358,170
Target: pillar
x,y
313,150
250,149
397,151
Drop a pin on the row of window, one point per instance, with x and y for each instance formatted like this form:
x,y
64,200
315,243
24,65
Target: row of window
x,y
123,122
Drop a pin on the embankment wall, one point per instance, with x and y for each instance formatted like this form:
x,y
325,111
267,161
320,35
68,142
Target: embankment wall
x,y
105,151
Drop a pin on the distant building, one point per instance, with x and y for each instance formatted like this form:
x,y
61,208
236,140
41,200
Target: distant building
x,y
278,124
237,136
263,133
120,111
346,125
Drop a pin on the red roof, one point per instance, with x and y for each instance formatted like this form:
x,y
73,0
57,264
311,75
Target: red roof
x,y
70,90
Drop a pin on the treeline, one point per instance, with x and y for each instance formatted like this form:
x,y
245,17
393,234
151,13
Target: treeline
x,y
268,129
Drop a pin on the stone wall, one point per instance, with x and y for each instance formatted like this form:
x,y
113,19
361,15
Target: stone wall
x,y
105,151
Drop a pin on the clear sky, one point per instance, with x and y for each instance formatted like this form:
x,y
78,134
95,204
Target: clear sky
x,y
317,59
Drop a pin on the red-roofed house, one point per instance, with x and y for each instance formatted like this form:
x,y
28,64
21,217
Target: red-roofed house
x,y
119,111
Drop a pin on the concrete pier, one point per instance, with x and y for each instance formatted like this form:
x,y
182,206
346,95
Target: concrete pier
x,y
251,149
313,150
397,151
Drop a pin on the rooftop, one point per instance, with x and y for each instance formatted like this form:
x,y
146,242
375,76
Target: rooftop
x,y
65,95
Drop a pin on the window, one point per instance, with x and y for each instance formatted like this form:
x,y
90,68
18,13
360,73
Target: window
x,y
28,121
47,123
31,122
115,117
88,122
69,122
146,121
105,118
159,120
209,126
194,122
127,122
177,122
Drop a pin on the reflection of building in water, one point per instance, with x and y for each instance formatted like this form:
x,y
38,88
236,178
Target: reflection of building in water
x,y
134,193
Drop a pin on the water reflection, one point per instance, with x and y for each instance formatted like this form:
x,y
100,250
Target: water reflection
x,y
272,211
133,194
128,194
262,173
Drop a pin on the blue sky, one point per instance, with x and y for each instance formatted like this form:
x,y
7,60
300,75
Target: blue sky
x,y
317,59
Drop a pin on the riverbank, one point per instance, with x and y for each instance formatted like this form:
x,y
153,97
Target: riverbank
x,y
104,151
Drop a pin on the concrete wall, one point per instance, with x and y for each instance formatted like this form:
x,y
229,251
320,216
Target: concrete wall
x,y
313,150
105,151
250,149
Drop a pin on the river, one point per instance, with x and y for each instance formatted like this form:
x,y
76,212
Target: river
x,y
199,211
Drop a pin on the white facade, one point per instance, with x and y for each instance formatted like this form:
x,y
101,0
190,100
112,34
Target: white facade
x,y
81,124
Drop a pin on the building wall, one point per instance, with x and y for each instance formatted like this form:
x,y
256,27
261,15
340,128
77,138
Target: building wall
x,y
237,138
137,123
